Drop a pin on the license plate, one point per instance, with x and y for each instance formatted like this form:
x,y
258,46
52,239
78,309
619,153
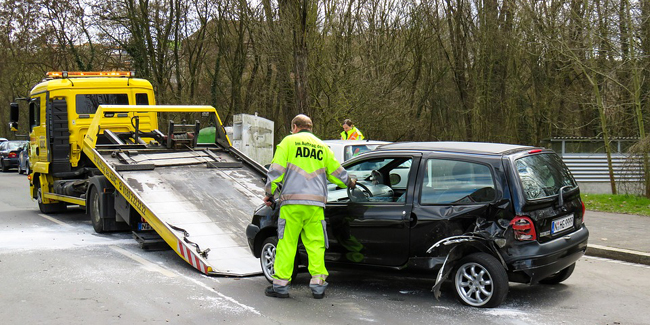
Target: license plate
x,y
561,224
144,226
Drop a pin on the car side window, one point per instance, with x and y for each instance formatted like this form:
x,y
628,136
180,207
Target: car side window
x,y
379,180
456,182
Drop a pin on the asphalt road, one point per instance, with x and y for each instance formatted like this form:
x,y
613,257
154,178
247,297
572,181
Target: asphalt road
x,y
55,270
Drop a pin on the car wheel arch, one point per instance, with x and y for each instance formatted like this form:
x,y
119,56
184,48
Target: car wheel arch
x,y
262,235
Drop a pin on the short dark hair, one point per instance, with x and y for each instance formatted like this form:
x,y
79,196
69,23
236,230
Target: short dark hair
x,y
347,122
302,121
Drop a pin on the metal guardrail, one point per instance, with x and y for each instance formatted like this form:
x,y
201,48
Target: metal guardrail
x,y
593,167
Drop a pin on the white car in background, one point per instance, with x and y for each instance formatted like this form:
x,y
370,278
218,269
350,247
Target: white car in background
x,y
346,149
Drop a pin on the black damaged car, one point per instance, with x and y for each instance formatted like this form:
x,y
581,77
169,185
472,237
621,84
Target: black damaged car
x,y
478,214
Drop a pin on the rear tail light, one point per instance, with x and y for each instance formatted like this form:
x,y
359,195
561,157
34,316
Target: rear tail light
x,y
523,228
12,155
583,212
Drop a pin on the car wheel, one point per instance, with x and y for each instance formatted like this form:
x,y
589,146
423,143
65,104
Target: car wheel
x,y
48,208
93,209
20,170
559,276
267,259
27,171
480,281
5,168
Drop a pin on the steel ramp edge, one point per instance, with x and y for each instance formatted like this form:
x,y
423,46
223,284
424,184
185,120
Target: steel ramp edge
x,y
213,206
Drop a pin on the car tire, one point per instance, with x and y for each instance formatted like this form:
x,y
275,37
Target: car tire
x,y
48,208
559,276
5,168
480,281
27,171
267,259
20,169
94,210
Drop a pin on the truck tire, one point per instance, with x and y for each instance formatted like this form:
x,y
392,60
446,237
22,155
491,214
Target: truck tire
x,y
94,204
267,259
480,281
559,276
48,208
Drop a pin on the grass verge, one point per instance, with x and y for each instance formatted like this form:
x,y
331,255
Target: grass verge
x,y
629,204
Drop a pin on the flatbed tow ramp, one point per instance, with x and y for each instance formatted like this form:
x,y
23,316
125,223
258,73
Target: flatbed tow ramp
x,y
197,198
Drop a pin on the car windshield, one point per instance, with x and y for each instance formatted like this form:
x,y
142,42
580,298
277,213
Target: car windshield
x,y
543,175
357,149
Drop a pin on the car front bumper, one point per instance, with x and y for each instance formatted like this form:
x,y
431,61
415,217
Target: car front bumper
x,y
534,262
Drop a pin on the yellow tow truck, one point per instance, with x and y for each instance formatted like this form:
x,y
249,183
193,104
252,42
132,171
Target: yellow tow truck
x,y
96,141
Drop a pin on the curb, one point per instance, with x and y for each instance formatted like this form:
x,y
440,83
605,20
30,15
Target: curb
x,y
618,254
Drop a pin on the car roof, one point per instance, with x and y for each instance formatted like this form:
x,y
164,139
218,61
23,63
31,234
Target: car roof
x,y
3,139
345,142
457,147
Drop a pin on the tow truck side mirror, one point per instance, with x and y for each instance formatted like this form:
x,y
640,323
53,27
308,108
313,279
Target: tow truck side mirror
x,y
13,116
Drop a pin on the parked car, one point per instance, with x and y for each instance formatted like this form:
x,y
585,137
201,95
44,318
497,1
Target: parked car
x,y
23,160
478,214
347,149
9,151
3,140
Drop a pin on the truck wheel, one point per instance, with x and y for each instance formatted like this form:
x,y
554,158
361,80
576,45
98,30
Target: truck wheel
x,y
48,208
93,209
559,276
480,281
267,259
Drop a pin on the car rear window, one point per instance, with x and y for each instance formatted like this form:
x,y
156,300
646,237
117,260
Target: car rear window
x,y
543,175
451,181
11,145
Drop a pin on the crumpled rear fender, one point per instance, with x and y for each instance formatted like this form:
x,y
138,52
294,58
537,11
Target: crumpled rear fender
x,y
462,246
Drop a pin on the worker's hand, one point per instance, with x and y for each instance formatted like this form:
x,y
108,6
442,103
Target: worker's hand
x,y
268,201
353,182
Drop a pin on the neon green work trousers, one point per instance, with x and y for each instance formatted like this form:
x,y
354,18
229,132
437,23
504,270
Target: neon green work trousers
x,y
308,223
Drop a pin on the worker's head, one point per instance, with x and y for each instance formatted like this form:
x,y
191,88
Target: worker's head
x,y
301,122
347,125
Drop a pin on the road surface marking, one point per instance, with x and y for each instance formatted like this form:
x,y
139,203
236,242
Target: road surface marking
x,y
55,220
148,265
230,299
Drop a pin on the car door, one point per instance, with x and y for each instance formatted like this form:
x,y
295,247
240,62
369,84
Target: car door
x,y
452,193
373,229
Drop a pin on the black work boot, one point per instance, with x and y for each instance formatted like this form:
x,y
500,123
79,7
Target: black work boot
x,y
277,291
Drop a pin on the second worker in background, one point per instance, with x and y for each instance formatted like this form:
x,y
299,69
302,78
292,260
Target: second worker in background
x,y
350,132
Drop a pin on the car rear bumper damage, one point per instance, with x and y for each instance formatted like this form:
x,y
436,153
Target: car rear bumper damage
x,y
537,262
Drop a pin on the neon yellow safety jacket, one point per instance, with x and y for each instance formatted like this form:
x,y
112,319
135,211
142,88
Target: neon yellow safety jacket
x,y
353,134
300,169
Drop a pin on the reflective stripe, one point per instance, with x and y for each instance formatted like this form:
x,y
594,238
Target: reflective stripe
x,y
278,167
280,282
308,197
303,173
318,279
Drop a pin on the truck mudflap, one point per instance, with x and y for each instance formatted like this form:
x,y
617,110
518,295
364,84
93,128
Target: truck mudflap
x,y
198,199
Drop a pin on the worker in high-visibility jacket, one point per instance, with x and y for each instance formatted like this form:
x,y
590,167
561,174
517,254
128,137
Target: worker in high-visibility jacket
x,y
350,132
298,174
